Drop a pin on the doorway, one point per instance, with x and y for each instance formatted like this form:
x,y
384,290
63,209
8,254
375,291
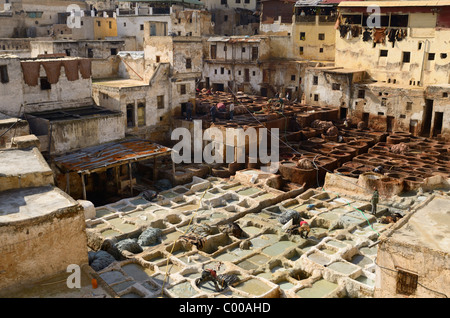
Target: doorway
x,y
365,119
389,123
343,113
437,124
426,119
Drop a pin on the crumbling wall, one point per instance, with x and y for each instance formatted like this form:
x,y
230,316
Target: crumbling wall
x,y
40,247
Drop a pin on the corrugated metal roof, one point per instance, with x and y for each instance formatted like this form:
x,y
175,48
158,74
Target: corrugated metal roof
x,y
166,1
109,154
412,3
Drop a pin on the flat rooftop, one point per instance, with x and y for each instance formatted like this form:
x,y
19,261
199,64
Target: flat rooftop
x,y
120,83
23,204
429,226
22,161
74,113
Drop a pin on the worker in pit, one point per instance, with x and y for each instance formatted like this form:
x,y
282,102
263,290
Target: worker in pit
x,y
304,229
374,200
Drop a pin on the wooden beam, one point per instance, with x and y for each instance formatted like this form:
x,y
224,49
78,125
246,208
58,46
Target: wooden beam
x,y
84,186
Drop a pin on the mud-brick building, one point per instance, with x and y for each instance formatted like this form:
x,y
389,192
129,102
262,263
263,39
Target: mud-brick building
x,y
42,229
313,32
405,64
413,258
276,17
53,95
259,65
152,86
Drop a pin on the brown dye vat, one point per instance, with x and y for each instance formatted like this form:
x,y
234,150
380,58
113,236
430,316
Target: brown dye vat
x,y
352,151
396,175
364,158
329,138
431,153
378,150
370,180
289,171
316,140
308,133
331,144
390,186
342,157
356,172
346,171
412,183
305,120
353,165
361,147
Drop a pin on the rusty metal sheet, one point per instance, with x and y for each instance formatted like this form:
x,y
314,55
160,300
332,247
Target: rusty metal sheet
x,y
110,154
418,3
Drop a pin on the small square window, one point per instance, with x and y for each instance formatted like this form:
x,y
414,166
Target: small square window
x,y
292,77
443,55
361,93
383,53
45,84
431,56
406,57
243,50
321,36
409,106
336,87
445,94
316,97
315,80
4,74
406,282
254,73
160,101
321,50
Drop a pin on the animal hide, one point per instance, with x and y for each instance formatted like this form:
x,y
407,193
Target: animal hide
x,y
31,72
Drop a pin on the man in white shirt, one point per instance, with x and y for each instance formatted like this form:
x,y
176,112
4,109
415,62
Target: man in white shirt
x,y
231,109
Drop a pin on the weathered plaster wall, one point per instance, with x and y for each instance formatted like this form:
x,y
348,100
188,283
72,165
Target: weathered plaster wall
x,y
132,25
95,130
63,91
11,92
356,53
36,248
310,42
